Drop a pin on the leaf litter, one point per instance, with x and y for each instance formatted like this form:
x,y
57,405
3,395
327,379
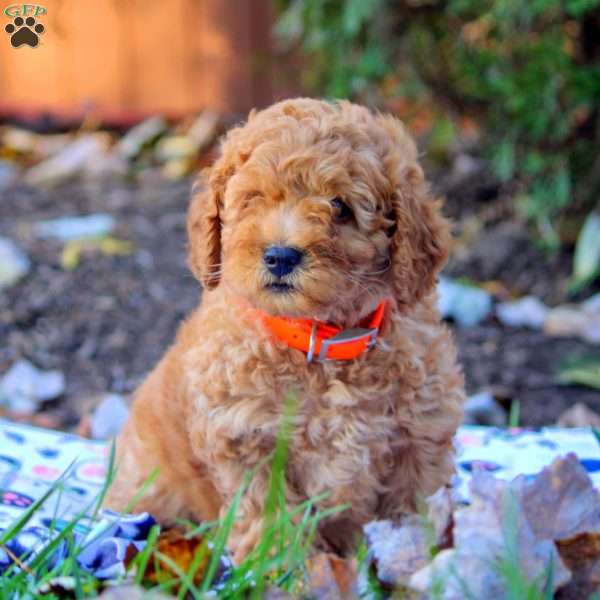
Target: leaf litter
x,y
543,530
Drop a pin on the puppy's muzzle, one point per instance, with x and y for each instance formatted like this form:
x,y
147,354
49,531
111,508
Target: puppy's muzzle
x,y
281,260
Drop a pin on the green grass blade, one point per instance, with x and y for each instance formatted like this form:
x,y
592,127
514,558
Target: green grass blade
x,y
514,414
222,536
141,560
183,576
110,475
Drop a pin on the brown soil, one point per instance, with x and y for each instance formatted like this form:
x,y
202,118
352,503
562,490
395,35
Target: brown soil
x,y
107,322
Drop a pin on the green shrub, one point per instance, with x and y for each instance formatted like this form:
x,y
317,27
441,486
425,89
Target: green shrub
x,y
527,70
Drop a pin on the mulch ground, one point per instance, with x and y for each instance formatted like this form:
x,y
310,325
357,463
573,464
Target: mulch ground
x,y
107,322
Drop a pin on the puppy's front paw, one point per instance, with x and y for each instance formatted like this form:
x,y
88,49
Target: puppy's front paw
x,y
244,538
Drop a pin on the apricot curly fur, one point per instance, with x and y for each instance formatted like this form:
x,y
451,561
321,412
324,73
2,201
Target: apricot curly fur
x,y
376,432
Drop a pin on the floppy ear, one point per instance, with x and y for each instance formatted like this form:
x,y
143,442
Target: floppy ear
x,y
204,220
204,227
420,235
421,241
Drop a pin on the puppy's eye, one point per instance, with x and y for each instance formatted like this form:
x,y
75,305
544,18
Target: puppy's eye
x,y
343,213
390,231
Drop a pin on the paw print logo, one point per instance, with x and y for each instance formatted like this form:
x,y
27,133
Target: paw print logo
x,y
24,31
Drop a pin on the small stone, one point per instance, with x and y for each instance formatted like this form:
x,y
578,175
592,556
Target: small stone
x,y
24,387
109,417
482,409
8,174
14,263
76,227
592,304
466,165
527,312
467,305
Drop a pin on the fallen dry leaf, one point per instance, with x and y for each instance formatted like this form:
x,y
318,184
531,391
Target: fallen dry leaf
x,y
579,549
108,246
440,516
494,517
131,592
399,551
561,501
67,588
492,529
173,546
447,572
579,415
581,554
553,518
332,578
45,420
532,527
61,588
70,161
573,321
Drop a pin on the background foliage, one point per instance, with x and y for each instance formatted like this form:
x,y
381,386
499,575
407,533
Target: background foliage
x,y
528,72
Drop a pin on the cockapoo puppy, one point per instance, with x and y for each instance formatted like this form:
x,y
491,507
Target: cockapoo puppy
x,y
318,245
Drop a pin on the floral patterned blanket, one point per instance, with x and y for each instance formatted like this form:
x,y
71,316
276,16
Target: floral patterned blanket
x,y
32,460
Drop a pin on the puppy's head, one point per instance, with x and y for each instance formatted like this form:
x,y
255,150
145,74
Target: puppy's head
x,y
317,210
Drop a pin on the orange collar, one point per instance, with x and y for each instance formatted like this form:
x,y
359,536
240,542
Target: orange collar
x,y
323,341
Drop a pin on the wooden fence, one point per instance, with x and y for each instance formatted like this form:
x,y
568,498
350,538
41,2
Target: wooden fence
x,y
127,57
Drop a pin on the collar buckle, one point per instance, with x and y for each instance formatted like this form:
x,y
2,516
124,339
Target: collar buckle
x,y
355,334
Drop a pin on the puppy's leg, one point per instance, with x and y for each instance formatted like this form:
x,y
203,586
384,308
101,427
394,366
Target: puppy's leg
x,y
136,470
422,448
423,457
248,528
248,525
232,459
154,441
421,468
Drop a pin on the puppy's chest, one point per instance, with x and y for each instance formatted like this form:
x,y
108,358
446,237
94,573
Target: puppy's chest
x,y
335,409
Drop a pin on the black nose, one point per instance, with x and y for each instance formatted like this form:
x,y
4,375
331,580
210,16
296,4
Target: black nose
x,y
281,260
